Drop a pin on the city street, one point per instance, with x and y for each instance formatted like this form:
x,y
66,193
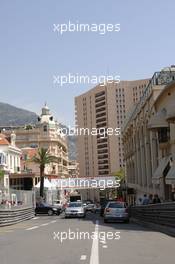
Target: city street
x,y
38,241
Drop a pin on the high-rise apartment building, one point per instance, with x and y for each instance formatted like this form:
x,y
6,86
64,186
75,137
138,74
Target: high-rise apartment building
x,y
104,108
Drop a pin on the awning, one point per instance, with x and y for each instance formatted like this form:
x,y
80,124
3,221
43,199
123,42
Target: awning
x,y
170,178
159,171
47,184
157,121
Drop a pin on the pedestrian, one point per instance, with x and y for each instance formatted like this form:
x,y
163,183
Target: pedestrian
x,y
156,199
139,201
145,200
150,199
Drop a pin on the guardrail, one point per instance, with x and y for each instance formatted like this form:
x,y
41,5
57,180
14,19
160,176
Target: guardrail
x,y
13,216
161,214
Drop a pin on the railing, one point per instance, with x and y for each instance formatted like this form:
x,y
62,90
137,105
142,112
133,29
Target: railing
x,y
13,198
161,214
16,215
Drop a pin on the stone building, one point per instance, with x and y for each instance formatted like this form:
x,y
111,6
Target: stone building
x,y
149,139
10,156
45,134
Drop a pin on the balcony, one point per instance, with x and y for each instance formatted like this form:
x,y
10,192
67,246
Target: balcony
x,y
100,104
101,115
100,109
102,125
100,120
103,167
102,140
106,172
100,94
102,146
101,162
103,156
100,99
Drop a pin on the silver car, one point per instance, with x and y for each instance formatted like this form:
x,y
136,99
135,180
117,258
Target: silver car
x,y
75,209
116,211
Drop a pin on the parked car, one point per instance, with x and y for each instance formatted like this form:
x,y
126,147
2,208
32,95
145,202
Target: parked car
x,y
89,205
58,203
43,208
116,211
103,205
75,209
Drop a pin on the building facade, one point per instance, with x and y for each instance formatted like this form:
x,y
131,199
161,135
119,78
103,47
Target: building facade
x,y
149,139
104,108
9,162
45,134
73,169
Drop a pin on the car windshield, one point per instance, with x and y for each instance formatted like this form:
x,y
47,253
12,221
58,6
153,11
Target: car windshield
x,y
75,205
43,205
116,205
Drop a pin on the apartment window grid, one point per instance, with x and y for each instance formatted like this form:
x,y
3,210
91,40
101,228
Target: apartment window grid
x,y
102,144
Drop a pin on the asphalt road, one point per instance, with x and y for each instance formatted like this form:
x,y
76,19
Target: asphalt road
x,y
53,239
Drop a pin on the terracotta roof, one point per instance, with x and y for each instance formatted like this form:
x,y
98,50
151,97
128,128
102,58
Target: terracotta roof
x,y
30,152
3,140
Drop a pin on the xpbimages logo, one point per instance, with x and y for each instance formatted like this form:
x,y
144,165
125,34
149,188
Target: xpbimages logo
x,y
85,131
85,235
100,28
75,78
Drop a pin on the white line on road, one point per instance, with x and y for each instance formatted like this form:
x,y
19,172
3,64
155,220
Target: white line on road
x,y
31,228
35,218
105,246
54,221
83,257
94,258
45,224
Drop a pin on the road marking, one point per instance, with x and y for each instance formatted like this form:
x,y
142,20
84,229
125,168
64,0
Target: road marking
x,y
94,258
103,242
35,218
54,221
45,224
31,228
105,246
83,257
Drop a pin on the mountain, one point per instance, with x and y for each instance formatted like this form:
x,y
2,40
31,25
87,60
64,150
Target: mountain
x,y
71,143
14,116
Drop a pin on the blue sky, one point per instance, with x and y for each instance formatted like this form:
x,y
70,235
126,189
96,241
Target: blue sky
x,y
31,53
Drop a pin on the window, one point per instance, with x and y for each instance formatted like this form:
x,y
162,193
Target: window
x,y
45,128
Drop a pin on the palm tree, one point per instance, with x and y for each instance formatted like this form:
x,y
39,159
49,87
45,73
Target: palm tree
x,y
42,158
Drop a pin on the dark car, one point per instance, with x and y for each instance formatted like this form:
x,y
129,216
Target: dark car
x,y
43,208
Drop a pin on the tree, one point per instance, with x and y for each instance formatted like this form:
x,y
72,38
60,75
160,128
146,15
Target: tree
x,y
1,173
42,158
120,175
1,176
